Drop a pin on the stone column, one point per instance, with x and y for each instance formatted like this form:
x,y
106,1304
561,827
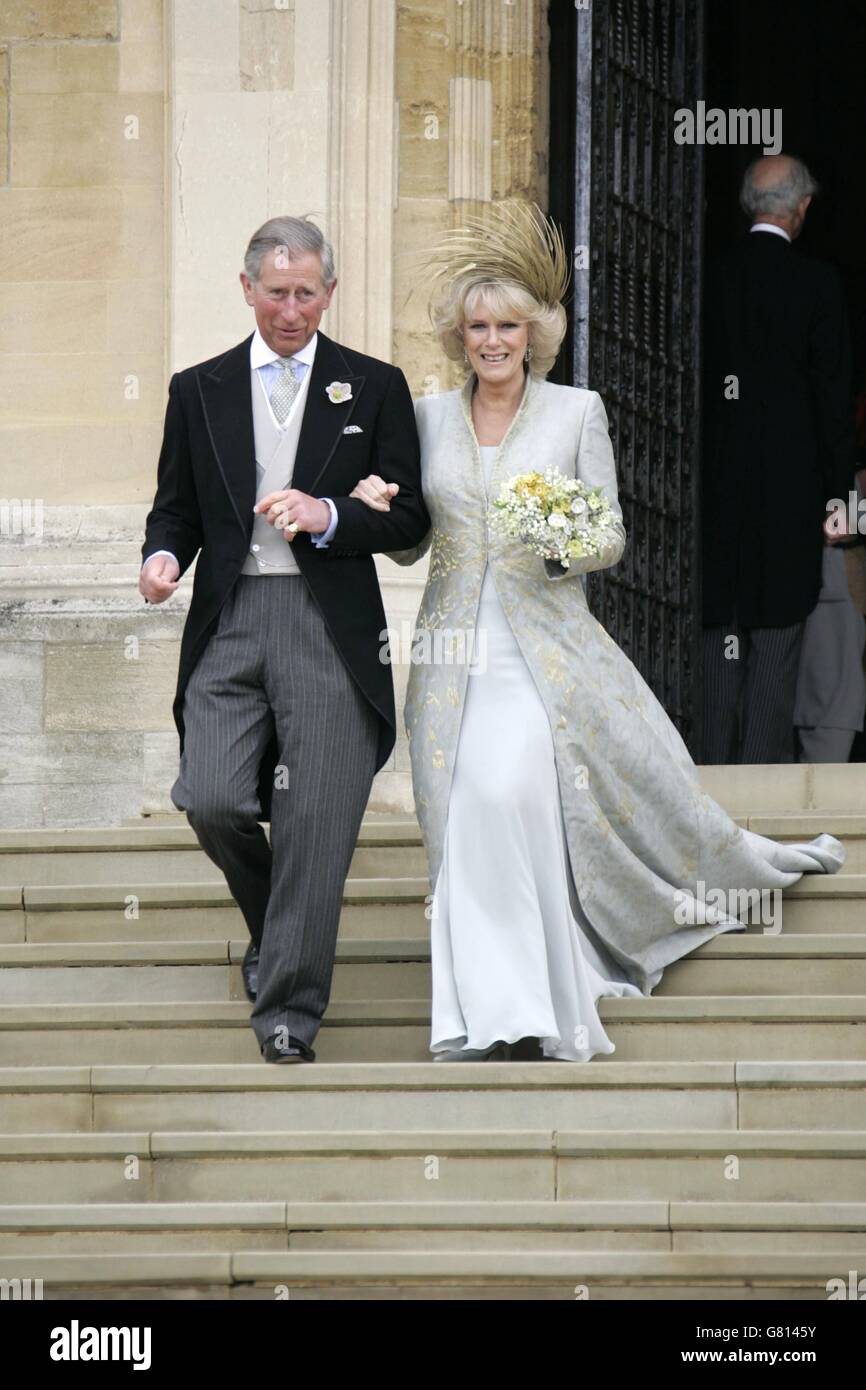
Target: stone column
x,y
279,106
472,83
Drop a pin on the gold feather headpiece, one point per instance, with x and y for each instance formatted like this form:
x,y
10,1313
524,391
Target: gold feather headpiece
x,y
514,242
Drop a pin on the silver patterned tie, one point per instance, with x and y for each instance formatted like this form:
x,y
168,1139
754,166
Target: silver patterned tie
x,y
285,390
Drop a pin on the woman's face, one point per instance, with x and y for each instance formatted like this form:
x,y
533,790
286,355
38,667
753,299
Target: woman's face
x,y
495,346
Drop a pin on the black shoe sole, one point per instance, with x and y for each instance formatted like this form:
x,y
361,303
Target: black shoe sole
x,y
526,1050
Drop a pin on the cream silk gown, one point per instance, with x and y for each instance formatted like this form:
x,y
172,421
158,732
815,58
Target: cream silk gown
x,y
509,953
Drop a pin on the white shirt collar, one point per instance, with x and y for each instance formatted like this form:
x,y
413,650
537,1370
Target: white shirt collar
x,y
769,227
261,354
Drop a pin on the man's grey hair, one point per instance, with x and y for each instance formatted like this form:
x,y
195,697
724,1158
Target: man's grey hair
x,y
778,199
294,236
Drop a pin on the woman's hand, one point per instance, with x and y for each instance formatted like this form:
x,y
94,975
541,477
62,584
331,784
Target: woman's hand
x,y
374,492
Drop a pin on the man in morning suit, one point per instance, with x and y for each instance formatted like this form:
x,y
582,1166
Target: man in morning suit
x,y
284,707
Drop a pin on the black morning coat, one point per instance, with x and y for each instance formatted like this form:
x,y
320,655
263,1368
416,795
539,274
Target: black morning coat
x,y
773,458
206,491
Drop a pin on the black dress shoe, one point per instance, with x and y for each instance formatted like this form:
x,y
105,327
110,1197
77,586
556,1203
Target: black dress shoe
x,y
282,1047
527,1050
250,971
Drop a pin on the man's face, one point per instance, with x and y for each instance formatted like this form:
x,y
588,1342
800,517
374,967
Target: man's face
x,y
288,298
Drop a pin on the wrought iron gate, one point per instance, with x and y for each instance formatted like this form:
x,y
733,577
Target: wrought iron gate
x,y
637,209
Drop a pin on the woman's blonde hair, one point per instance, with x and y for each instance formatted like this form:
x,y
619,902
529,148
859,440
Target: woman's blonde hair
x,y
454,307
512,261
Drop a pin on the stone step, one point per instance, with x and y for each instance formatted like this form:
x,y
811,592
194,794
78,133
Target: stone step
x,y
745,790
168,893
392,920
450,1275
679,1227
396,920
161,971
74,972
186,864
772,789
822,888
817,903
331,1096
375,823
174,832
387,846
436,1165
715,1028
202,894
792,828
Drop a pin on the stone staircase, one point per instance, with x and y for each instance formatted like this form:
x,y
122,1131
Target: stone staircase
x,y
147,1152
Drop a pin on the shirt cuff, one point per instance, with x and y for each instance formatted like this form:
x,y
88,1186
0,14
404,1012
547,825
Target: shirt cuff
x,y
320,539
161,552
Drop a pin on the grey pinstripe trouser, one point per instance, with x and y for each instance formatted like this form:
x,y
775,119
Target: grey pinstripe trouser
x,y
764,677
272,663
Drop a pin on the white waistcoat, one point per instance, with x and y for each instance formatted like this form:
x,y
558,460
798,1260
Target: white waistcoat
x,y
276,448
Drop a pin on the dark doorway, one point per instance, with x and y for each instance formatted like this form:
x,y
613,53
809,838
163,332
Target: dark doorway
x,y
807,61
617,72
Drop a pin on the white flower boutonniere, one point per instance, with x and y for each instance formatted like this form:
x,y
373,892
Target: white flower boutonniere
x,y
339,391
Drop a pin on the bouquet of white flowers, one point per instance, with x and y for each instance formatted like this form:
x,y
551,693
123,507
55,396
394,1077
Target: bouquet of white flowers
x,y
559,518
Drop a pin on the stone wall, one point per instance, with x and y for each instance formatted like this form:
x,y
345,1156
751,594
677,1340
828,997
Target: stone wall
x,y
82,282
82,389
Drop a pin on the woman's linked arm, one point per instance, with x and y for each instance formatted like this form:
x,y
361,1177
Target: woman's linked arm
x,y
395,454
595,466
376,493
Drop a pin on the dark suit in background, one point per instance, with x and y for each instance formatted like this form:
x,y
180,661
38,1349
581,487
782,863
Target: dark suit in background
x,y
773,458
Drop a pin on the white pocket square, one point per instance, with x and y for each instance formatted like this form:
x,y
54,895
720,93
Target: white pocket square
x,y
353,429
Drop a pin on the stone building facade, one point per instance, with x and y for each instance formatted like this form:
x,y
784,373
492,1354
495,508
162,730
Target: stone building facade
x,y
140,143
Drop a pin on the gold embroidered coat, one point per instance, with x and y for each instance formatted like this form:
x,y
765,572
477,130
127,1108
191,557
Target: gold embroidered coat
x,y
642,835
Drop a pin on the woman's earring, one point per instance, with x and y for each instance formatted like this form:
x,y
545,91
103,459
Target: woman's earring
x,y
465,358
528,353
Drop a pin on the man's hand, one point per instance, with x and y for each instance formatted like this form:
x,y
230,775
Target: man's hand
x,y
159,578
375,492
282,508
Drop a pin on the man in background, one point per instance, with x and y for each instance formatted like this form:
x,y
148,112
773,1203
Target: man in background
x,y
779,447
